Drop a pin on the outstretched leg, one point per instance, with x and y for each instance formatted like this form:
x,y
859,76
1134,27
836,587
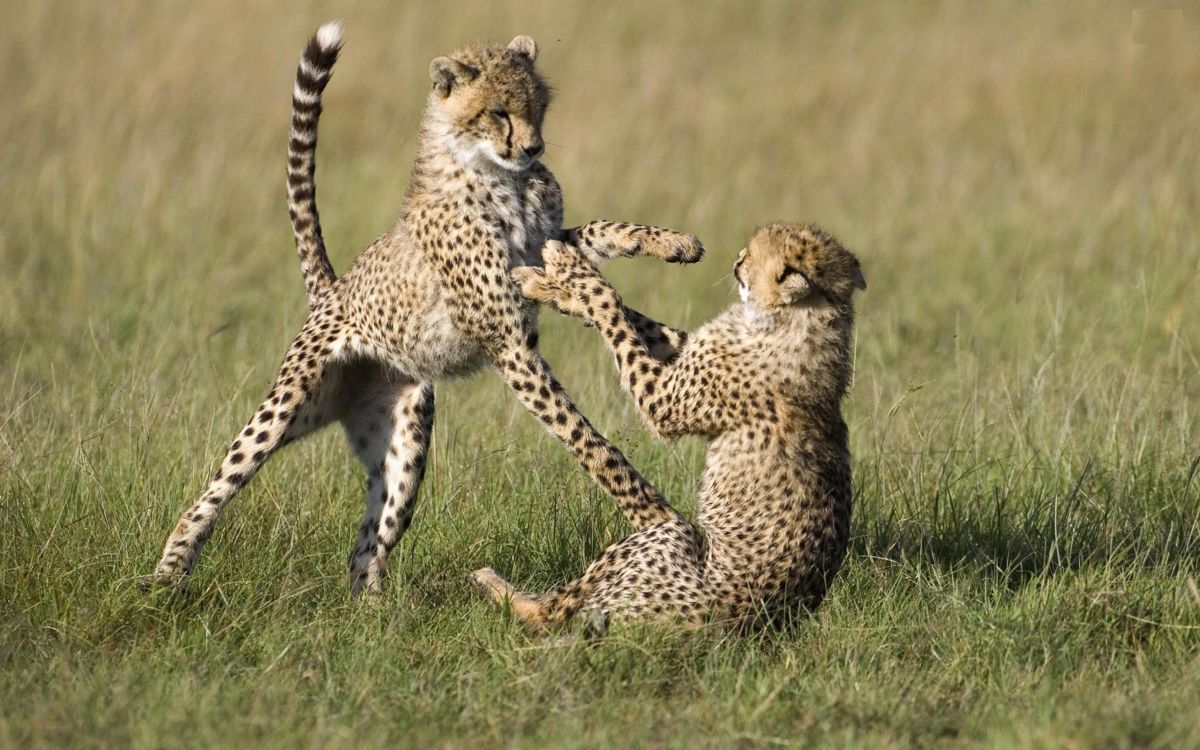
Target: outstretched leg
x,y
658,571
526,607
528,375
600,240
491,312
681,393
540,612
301,401
663,342
389,425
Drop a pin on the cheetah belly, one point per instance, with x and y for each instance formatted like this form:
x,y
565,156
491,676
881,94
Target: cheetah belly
x,y
751,510
407,321
423,341
438,349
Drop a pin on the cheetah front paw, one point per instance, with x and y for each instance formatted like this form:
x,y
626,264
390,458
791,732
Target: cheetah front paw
x,y
175,567
534,284
539,286
673,247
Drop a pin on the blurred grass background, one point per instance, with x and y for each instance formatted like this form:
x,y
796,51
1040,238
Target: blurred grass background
x,y
1021,182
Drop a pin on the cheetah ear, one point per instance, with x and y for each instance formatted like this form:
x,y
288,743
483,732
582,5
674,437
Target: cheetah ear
x,y
447,73
524,45
856,275
794,288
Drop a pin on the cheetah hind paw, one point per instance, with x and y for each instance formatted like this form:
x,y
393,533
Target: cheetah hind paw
x,y
172,581
491,585
589,626
594,623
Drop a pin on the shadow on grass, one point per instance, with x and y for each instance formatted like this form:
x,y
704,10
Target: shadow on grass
x,y
1015,534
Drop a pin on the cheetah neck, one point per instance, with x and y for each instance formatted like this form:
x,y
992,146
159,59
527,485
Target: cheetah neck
x,y
451,172
806,346
795,322
445,152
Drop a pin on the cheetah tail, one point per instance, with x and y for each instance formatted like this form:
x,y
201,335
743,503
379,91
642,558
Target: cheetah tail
x,y
312,75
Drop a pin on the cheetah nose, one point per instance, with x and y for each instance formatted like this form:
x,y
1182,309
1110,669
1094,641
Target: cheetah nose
x,y
534,149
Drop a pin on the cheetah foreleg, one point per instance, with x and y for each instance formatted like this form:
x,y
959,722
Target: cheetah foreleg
x,y
530,378
601,240
536,284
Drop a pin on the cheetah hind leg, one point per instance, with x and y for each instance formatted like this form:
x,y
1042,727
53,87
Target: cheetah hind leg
x,y
296,406
500,592
540,612
389,428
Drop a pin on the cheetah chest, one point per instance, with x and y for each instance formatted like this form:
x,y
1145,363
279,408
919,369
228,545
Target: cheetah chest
x,y
437,347
520,220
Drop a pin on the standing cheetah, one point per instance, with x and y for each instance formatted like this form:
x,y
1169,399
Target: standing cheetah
x,y
764,382
430,299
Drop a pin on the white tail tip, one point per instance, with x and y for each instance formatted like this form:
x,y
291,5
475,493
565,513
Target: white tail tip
x,y
330,35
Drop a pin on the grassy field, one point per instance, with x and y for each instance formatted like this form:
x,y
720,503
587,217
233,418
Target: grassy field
x,y
1020,180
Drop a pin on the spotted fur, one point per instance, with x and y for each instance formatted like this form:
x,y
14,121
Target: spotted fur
x,y
312,75
430,299
764,383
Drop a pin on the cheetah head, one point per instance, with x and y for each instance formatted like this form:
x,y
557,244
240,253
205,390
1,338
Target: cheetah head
x,y
490,102
796,264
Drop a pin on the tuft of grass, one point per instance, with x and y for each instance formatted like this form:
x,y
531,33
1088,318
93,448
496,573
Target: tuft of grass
x,y
1019,181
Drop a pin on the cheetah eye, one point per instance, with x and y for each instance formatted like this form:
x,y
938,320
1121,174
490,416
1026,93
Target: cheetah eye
x,y
498,112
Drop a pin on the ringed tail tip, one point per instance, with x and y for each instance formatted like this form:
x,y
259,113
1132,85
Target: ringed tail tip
x,y
329,36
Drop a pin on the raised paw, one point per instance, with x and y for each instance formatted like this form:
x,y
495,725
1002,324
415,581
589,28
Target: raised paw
x,y
600,240
671,246
551,285
534,284
566,265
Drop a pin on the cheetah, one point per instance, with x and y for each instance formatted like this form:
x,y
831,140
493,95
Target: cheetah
x,y
430,299
764,382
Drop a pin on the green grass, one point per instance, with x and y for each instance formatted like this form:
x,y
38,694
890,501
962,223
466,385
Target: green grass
x,y
1020,182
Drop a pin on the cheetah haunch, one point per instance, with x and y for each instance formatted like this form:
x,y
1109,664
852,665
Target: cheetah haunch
x,y
764,382
430,299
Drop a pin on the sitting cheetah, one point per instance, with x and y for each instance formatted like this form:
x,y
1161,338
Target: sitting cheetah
x,y
764,382
430,299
